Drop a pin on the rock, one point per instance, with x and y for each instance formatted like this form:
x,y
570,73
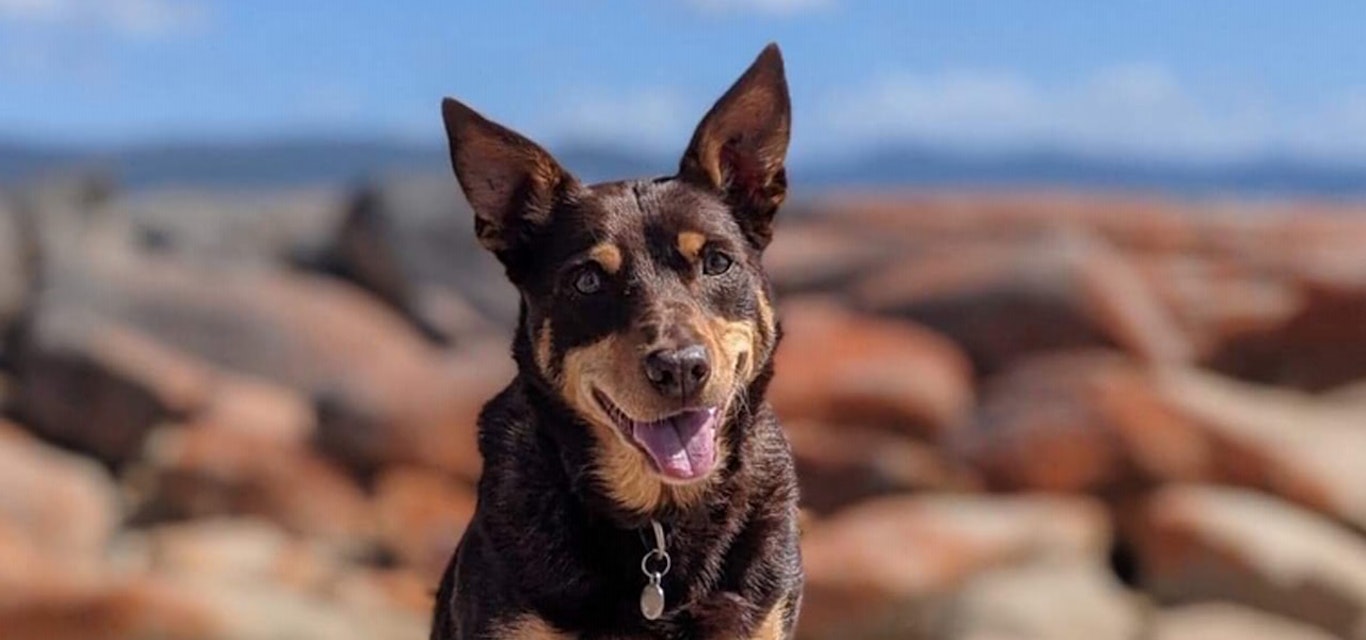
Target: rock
x,y
259,408
885,568
381,392
130,610
31,573
228,560
838,367
1307,450
1230,622
66,506
421,517
1197,544
1081,422
820,257
188,609
1217,299
433,426
1002,302
228,229
18,254
242,551
1023,603
202,470
401,236
264,612
1317,347
99,387
387,589
839,465
1101,423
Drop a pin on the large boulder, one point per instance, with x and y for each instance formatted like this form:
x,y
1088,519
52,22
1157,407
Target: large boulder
x,y
887,568
840,367
226,229
1001,302
98,386
1230,622
411,242
1318,346
821,256
134,609
203,470
1091,421
1198,544
381,392
65,506
421,516
1101,423
1297,446
839,465
186,608
1045,600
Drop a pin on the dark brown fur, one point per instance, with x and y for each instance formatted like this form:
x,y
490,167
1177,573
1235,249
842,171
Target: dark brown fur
x,y
555,545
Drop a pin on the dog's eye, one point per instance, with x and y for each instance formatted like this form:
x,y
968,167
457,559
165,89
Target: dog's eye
x,y
715,263
588,281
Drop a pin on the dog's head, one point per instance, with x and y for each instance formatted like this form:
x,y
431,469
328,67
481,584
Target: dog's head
x,y
644,304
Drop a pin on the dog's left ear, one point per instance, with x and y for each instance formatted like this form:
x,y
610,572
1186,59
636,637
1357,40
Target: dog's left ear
x,y
740,147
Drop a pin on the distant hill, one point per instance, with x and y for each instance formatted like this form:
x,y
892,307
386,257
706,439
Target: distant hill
x,y
285,163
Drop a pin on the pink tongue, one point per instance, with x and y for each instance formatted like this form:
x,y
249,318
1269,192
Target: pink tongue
x,y
684,446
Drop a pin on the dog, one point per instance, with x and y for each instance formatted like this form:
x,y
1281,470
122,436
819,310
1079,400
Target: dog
x,y
636,484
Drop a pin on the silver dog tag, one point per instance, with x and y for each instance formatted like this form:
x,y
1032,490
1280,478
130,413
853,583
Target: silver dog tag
x,y
652,600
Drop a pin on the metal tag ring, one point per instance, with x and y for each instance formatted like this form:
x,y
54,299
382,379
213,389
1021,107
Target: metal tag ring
x,y
658,555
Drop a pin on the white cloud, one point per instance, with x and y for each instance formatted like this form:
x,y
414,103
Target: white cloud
x,y
1136,111
1133,111
133,18
771,7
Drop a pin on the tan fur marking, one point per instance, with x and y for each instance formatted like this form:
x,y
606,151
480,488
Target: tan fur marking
x,y
527,627
544,342
772,626
690,244
768,321
608,256
737,343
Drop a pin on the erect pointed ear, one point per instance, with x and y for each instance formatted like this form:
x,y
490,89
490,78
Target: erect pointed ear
x,y
511,183
740,147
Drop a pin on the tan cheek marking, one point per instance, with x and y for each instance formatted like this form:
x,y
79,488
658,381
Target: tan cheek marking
x,y
544,340
690,244
767,319
608,255
527,627
622,470
736,340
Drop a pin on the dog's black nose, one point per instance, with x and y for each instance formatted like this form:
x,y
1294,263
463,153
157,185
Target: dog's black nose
x,y
678,373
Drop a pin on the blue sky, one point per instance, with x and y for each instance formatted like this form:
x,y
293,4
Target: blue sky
x,y
1214,79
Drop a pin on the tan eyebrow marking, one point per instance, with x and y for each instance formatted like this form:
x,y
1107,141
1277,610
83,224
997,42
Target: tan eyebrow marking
x,y
607,255
690,244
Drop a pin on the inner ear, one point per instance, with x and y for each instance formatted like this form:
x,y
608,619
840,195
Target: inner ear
x,y
739,149
511,183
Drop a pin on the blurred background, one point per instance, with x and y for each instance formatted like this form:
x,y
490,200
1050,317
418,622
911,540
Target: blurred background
x,y
1075,300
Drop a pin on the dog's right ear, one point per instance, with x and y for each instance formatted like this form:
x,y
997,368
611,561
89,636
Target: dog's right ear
x,y
511,183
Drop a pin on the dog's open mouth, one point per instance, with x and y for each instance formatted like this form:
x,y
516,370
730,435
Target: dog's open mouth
x,y
681,446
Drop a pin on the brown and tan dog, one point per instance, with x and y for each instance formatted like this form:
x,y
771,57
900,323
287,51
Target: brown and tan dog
x,y
636,484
